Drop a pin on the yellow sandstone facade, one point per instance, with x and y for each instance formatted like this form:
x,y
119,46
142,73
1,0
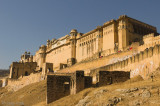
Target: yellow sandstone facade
x,y
109,39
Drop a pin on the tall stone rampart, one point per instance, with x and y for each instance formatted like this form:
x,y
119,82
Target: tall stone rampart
x,y
142,63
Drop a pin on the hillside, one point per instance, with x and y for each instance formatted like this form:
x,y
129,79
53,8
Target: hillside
x,y
4,73
135,91
28,95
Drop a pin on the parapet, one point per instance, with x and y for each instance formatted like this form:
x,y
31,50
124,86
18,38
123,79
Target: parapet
x,y
108,22
148,35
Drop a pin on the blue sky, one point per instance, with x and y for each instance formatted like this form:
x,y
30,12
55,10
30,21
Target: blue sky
x,y
27,24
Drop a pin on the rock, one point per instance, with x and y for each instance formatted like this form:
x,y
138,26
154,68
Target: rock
x,y
129,94
136,94
134,89
155,101
135,103
146,94
100,92
113,101
84,102
131,90
121,90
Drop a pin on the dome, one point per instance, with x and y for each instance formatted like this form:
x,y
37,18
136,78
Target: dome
x,y
42,45
73,31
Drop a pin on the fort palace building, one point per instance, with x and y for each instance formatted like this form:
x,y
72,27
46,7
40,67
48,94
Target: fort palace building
x,y
114,52
76,48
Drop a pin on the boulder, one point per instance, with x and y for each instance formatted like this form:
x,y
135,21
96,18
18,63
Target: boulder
x,y
146,94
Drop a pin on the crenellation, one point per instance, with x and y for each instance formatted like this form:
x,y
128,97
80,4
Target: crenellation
x,y
126,62
141,56
145,53
136,58
150,52
133,59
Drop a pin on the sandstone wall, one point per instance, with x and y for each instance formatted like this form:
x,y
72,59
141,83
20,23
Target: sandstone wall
x,y
59,55
57,87
89,44
140,64
47,67
109,77
60,85
16,84
95,63
22,69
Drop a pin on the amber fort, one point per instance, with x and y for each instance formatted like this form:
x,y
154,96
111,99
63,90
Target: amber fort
x,y
114,52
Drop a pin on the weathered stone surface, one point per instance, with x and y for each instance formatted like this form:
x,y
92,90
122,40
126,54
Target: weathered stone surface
x,y
146,94
120,90
100,92
113,101
136,102
131,90
84,102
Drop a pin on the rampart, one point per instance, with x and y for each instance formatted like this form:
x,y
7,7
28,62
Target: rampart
x,y
140,64
16,84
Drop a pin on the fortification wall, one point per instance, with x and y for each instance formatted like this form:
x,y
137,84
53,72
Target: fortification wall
x,y
59,55
97,63
57,87
60,85
149,41
142,63
110,77
16,84
140,60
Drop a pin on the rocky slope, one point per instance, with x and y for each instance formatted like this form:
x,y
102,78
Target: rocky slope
x,y
133,92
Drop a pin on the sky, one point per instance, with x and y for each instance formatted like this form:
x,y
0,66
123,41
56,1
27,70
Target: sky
x,y
25,25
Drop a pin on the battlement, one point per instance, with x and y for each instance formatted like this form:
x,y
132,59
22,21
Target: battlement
x,y
148,35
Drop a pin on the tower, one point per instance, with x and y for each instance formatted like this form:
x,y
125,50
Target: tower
x,y
42,53
73,35
123,36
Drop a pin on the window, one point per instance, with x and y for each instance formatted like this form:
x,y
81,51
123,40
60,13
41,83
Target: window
x,y
26,73
97,36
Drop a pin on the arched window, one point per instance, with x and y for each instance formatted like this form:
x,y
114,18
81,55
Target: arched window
x,y
122,26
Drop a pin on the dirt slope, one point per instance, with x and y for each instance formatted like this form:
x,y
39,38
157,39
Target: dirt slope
x,y
28,95
130,93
